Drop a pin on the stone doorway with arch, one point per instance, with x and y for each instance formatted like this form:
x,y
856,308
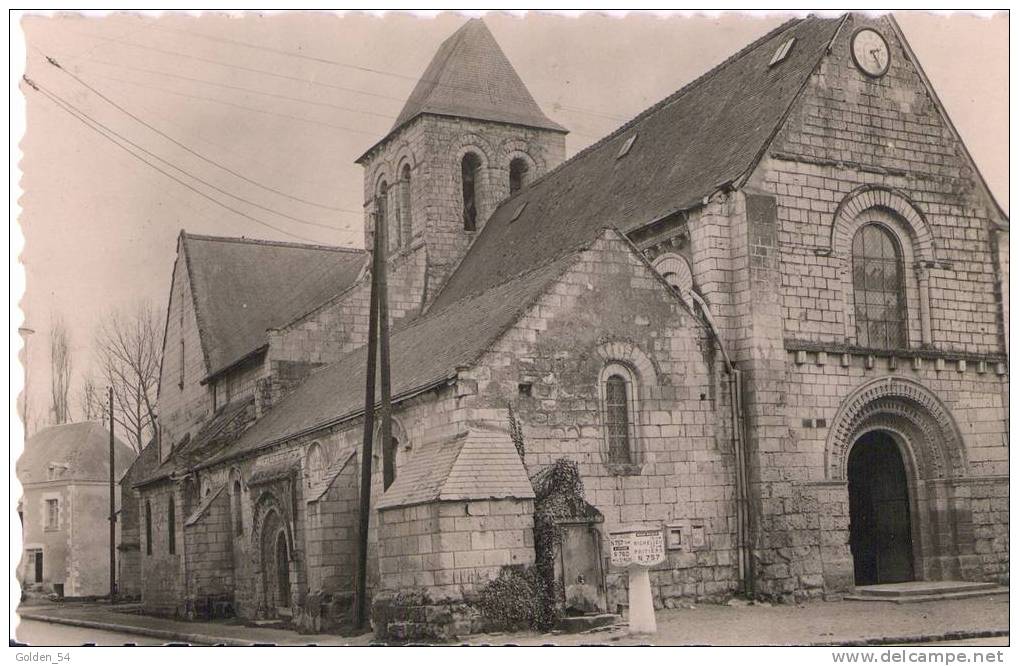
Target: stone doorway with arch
x,y
275,560
896,452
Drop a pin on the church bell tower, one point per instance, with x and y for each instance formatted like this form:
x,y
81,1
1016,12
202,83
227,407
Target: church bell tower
x,y
469,136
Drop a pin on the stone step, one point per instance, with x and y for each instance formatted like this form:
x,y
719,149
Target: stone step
x,y
917,591
579,623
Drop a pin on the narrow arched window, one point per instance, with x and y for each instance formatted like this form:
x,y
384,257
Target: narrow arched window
x,y
148,528
617,418
470,167
405,228
518,174
238,514
389,462
171,524
382,216
878,289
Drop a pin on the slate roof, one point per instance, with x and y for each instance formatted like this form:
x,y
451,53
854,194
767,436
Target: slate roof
x,y
320,487
707,134
475,465
242,287
471,77
423,353
204,505
84,447
144,465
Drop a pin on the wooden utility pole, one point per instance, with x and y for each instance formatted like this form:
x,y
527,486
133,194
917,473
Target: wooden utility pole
x,y
113,510
377,313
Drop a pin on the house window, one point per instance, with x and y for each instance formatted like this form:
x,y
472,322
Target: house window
x,y
878,289
405,229
518,174
617,418
470,167
148,528
171,523
389,462
238,514
53,514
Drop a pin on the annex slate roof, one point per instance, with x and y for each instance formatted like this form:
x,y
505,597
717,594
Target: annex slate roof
x,y
243,287
481,463
320,487
83,447
707,134
424,352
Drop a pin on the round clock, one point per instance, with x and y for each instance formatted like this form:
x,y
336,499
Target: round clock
x,y
870,52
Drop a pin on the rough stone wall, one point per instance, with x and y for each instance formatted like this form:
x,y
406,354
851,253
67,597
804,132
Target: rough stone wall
x,y
434,147
610,307
209,551
129,566
332,534
182,409
849,132
163,588
453,548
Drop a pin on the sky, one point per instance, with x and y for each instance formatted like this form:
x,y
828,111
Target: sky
x,y
287,102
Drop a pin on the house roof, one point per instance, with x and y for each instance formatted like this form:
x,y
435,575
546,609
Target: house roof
x,y
423,353
471,77
83,447
702,137
243,287
481,463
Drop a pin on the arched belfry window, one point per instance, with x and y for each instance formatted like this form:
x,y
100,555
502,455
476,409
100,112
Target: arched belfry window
x,y
878,289
405,228
470,168
517,174
382,217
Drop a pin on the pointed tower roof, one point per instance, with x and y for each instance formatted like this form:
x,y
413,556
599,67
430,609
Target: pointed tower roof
x,y
471,77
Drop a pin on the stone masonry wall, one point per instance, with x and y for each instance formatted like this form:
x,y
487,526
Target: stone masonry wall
x,y
609,307
163,589
210,570
849,132
182,408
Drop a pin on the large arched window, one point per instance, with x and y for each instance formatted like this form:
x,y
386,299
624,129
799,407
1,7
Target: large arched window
x,y
470,167
517,174
171,525
878,291
617,418
405,228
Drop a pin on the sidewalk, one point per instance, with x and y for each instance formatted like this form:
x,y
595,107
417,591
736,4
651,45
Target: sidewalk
x,y
814,623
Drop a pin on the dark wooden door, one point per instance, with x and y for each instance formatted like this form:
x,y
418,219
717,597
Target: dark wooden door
x,y
879,529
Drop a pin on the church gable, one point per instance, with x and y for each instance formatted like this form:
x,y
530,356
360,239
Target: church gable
x,y
863,146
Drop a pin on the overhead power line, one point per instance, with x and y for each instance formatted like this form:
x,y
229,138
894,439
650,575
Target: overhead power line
x,y
190,150
371,70
103,132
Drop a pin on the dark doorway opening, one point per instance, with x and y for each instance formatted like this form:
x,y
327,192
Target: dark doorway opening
x,y
879,524
282,571
38,566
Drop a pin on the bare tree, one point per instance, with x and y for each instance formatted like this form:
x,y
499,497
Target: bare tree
x,y
60,370
127,349
91,400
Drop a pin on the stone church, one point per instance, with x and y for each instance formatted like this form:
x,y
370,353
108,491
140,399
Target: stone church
x,y
765,317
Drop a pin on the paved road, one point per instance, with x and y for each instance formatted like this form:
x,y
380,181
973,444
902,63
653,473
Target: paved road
x,y
38,633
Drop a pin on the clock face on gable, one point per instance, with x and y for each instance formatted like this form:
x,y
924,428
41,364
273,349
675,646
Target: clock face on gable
x,y
870,52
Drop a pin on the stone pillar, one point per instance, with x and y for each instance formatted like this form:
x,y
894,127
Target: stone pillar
x,y
923,278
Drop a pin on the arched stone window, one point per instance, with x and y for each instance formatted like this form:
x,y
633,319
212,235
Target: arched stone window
x,y
518,172
148,527
238,514
470,167
171,525
618,387
878,293
676,271
405,206
389,461
314,463
382,217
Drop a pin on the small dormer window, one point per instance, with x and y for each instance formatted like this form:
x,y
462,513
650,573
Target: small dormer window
x,y
626,147
782,52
